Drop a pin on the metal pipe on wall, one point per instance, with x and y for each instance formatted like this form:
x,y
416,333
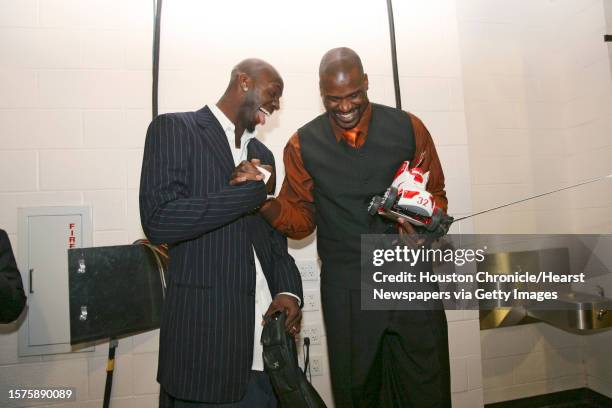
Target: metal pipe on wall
x,y
156,45
398,97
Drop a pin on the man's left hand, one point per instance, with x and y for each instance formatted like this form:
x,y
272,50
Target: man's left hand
x,y
288,305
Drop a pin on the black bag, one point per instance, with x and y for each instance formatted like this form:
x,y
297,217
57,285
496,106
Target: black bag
x,y
280,362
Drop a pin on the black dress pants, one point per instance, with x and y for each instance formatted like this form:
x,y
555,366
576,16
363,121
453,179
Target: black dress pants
x,y
385,359
259,394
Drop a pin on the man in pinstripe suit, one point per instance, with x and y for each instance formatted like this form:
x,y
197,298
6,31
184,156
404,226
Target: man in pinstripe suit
x,y
199,191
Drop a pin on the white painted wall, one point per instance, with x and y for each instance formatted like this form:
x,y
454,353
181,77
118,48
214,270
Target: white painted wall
x,y
598,360
538,108
68,68
75,86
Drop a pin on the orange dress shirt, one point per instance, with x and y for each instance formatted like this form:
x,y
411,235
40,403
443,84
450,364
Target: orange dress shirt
x,y
292,211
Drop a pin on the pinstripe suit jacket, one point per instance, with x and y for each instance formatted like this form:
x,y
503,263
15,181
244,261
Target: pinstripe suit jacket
x,y
207,327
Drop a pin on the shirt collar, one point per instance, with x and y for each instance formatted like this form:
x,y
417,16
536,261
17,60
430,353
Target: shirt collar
x,y
229,128
223,120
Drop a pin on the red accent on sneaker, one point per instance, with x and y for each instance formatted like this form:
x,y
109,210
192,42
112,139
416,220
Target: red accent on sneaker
x,y
409,193
401,169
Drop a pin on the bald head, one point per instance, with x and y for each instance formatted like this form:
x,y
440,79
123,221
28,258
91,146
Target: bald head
x,y
343,86
254,68
337,60
253,92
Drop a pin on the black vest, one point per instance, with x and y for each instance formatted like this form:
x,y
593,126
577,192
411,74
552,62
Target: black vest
x,y
345,179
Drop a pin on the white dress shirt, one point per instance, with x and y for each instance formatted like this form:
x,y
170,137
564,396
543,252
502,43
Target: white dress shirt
x,y
263,297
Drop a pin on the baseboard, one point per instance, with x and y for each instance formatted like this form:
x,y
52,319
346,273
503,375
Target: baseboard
x,y
578,398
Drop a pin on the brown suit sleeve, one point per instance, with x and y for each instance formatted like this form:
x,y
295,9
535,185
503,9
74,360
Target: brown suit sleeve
x,y
292,211
427,155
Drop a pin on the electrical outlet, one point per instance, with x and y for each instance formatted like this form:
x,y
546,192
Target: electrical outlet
x,y
316,365
313,332
311,301
309,269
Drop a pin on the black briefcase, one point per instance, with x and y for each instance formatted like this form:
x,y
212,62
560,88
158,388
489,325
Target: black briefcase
x,y
280,362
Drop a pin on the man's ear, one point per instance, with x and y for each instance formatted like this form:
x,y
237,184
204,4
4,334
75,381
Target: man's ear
x,y
244,82
365,82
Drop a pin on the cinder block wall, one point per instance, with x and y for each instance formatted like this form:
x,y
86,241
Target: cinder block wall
x,y
75,83
538,99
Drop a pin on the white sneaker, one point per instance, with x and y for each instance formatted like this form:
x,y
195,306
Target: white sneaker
x,y
413,196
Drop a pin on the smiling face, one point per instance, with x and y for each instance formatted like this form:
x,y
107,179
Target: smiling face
x,y
344,93
261,99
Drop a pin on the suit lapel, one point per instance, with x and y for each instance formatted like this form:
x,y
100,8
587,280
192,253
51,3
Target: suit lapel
x,y
216,139
255,150
252,151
